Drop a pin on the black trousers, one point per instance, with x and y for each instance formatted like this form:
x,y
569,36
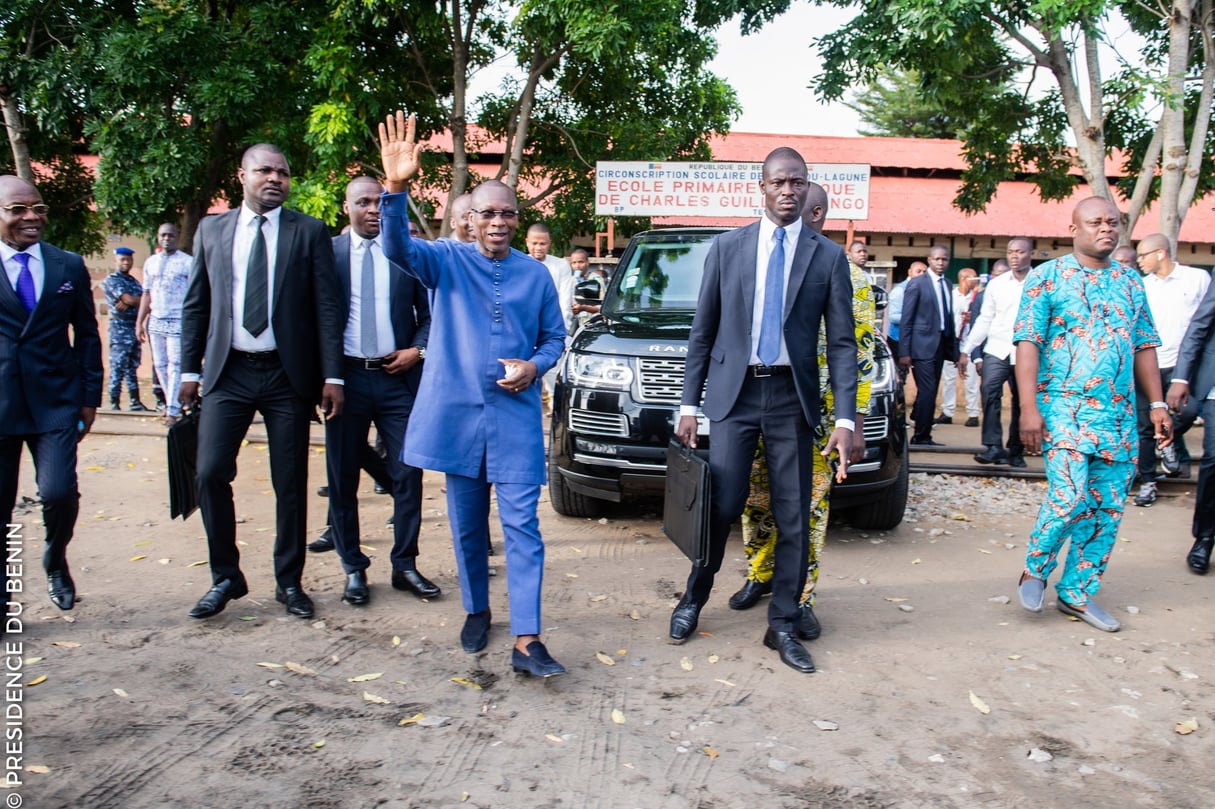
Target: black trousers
x,y
247,386
927,375
1182,422
1204,500
769,407
372,396
996,372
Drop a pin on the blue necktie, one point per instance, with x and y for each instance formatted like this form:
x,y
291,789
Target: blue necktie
x,y
25,282
774,303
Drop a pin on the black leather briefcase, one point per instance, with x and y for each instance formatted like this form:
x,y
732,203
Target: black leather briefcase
x,y
685,513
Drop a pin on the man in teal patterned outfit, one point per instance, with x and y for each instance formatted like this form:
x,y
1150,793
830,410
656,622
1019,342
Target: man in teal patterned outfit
x,y
1084,337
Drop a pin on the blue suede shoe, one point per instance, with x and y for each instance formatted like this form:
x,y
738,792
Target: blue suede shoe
x,y
1092,615
475,634
537,662
1032,592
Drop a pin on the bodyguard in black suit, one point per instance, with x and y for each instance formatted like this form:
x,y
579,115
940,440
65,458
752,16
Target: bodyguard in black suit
x,y
1194,376
262,330
384,344
50,384
927,338
754,341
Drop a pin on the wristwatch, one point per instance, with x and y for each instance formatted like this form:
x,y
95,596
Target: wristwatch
x,y
421,352
1158,406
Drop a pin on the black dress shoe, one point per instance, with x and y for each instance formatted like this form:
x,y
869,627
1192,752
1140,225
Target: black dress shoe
x,y
792,653
61,588
1017,462
808,627
380,489
973,421
357,593
993,455
414,582
217,598
943,419
750,594
1199,559
925,442
322,543
475,633
537,661
296,600
139,407
684,620
322,491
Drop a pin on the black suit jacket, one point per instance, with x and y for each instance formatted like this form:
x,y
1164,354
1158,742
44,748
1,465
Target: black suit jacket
x,y
719,346
308,312
45,377
1196,357
408,304
920,329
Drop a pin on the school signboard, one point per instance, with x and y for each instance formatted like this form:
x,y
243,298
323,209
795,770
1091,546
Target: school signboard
x,y
716,189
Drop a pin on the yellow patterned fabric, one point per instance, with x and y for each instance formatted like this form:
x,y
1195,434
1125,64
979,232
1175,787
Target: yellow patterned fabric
x,y
758,524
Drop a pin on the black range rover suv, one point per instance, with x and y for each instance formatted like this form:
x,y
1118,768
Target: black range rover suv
x,y
616,400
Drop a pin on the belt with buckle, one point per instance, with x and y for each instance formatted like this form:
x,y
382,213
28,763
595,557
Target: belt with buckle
x,y
256,356
367,363
762,371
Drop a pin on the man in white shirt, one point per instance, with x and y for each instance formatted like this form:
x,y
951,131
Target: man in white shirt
x,y
1001,300
539,241
1173,292
963,294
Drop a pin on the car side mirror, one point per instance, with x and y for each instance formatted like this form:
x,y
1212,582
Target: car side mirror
x,y
881,298
588,292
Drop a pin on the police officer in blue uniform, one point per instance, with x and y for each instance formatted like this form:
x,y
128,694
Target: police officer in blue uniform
x,y
122,294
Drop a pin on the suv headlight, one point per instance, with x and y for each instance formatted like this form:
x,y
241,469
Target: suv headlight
x,y
885,375
600,371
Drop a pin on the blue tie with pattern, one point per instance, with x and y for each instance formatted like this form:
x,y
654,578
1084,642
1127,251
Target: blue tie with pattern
x,y
25,282
774,303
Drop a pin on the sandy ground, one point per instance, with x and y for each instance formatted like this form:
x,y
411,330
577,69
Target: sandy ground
x,y
136,705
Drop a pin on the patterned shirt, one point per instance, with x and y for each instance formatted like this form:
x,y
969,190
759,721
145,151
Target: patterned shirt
x,y
1088,324
863,313
115,285
166,278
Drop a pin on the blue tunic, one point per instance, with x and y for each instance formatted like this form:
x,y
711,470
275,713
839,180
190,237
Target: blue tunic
x,y
482,310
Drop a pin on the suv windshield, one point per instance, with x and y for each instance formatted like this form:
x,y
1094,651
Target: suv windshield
x,y
663,273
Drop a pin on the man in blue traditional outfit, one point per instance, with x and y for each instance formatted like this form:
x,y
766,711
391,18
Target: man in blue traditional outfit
x,y
496,327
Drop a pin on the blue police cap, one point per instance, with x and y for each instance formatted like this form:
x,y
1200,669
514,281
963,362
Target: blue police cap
x,y
123,251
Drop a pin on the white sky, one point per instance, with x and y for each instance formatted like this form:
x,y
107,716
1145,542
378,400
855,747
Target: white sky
x,y
786,106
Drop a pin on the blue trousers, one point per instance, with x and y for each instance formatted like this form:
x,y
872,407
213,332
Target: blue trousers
x,y
468,509
1084,504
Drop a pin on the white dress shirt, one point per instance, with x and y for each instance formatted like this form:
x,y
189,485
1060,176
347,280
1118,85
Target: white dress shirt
x,y
242,241
767,243
12,267
1172,300
563,278
939,287
352,339
997,316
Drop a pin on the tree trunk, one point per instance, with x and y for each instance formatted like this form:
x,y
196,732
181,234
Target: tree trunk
x,y
1205,23
1172,120
458,122
196,207
16,137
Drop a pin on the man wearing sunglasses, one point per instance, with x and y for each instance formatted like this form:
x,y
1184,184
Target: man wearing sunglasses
x,y
51,382
496,328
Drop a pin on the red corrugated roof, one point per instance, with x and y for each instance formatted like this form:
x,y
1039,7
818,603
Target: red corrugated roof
x,y
924,206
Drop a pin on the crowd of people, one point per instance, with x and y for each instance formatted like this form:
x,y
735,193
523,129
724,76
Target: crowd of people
x,y
444,347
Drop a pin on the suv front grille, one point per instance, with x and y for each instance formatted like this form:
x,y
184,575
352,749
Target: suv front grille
x,y
660,381
875,428
588,422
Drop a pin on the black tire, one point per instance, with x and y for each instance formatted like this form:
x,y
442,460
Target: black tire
x,y
566,501
886,511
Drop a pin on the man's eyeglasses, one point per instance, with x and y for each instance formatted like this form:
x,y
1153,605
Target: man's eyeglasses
x,y
489,216
21,210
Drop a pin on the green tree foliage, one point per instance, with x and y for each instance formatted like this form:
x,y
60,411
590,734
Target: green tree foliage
x,y
47,69
897,105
